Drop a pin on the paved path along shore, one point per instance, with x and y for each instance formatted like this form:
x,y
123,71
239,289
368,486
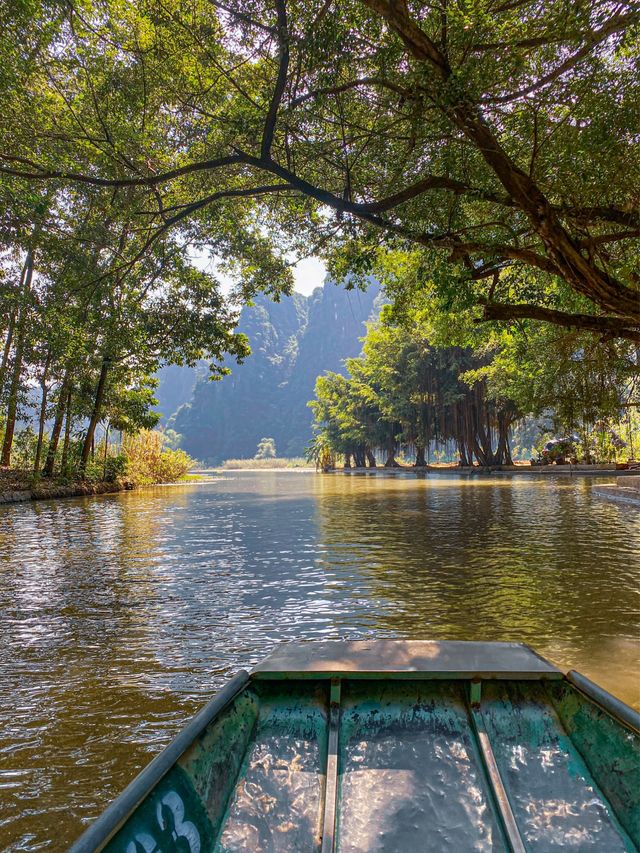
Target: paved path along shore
x,y
626,491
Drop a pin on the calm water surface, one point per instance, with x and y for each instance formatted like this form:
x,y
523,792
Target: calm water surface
x,y
121,615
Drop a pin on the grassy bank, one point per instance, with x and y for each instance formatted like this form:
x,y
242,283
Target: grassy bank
x,y
264,464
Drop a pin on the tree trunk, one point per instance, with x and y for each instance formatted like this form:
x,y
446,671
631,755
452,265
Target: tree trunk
x,y
14,388
347,460
12,404
43,413
64,462
483,445
57,427
95,414
503,453
7,349
106,451
359,457
371,459
25,279
391,456
420,462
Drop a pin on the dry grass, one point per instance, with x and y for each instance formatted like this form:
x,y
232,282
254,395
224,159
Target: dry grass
x,y
264,464
147,461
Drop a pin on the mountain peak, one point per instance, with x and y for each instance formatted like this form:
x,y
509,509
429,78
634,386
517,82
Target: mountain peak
x,y
292,343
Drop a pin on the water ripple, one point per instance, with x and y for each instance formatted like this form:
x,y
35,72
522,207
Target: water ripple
x,y
122,614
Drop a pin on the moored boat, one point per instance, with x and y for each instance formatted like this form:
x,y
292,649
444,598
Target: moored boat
x,y
390,745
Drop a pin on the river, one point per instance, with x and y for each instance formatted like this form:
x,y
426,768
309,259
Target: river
x,y
121,615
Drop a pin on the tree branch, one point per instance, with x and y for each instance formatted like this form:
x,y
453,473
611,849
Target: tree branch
x,y
603,213
610,327
187,210
514,253
416,40
613,25
353,84
43,173
281,80
615,237
245,192
534,41
431,182
246,19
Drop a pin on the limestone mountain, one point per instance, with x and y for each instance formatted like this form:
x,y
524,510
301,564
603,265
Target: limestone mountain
x,y
292,342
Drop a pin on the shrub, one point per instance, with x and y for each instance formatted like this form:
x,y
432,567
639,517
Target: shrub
x,y
173,464
147,462
320,452
115,468
24,448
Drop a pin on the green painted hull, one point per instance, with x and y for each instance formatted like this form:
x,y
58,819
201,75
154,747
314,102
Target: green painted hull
x,y
415,754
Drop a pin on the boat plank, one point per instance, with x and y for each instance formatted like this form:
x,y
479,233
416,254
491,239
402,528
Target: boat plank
x,y
331,785
495,781
276,800
404,658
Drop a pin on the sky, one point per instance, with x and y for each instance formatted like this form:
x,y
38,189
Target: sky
x,y
308,273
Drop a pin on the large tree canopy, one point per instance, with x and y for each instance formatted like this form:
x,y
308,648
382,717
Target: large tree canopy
x,y
501,134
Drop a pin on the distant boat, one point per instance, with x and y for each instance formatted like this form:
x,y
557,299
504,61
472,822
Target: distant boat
x,y
390,745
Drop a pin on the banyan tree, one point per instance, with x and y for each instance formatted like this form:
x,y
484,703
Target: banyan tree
x,y
404,393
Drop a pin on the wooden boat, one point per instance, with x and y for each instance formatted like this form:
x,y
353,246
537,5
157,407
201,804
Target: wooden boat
x,y
391,746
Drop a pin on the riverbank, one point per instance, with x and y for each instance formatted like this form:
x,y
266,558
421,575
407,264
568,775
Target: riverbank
x,y
610,470
16,486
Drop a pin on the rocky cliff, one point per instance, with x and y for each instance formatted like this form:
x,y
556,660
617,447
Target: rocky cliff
x,y
292,342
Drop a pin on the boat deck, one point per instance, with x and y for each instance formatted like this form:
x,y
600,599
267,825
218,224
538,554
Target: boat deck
x,y
368,763
386,747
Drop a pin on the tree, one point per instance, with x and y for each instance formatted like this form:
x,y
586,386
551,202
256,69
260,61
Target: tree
x,y
577,384
500,139
171,439
266,449
396,366
92,332
405,391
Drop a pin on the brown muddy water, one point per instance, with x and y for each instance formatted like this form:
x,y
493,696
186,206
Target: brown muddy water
x,y
121,615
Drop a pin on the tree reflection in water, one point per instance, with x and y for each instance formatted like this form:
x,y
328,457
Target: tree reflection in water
x,y
122,614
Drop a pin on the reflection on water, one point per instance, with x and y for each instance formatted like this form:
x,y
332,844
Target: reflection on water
x,y
122,614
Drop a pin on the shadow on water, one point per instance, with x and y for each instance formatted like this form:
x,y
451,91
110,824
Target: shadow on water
x,y
121,614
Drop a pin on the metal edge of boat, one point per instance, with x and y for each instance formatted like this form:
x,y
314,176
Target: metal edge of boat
x,y
378,659
119,810
609,703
